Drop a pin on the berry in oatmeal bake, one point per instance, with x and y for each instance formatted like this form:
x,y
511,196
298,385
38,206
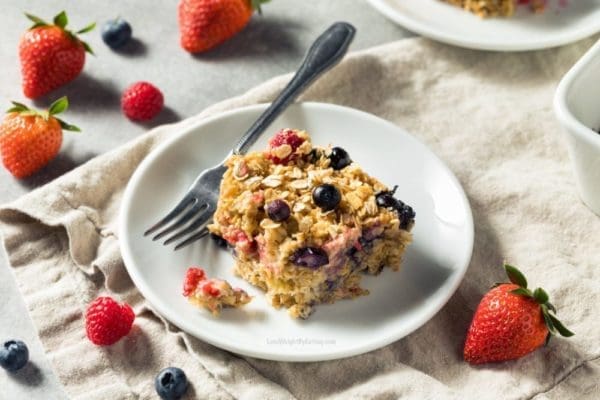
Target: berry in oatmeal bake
x,y
306,222
210,293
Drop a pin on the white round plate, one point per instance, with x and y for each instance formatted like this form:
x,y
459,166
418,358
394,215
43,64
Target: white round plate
x,y
399,302
559,24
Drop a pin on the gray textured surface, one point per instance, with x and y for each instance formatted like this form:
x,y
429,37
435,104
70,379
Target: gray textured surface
x,y
270,45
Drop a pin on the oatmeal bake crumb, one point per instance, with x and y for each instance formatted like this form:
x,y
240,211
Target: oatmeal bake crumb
x,y
211,293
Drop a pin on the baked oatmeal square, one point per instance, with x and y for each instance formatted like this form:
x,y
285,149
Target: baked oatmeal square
x,y
305,222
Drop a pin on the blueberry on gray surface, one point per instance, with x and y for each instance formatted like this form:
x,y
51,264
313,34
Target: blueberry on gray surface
x,y
219,241
326,196
340,158
310,257
116,32
278,210
14,354
171,383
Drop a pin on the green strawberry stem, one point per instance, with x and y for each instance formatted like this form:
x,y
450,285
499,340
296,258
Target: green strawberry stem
x,y
515,276
541,297
256,5
61,20
57,107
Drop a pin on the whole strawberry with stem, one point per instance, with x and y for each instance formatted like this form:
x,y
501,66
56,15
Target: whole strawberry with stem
x,y
204,24
51,55
511,321
30,139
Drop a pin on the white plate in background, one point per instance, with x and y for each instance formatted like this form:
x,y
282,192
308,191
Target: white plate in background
x,y
444,22
399,303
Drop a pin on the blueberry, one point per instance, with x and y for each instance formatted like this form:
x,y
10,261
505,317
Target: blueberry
x,y
116,32
13,355
364,242
310,257
326,196
171,383
314,155
386,199
407,215
278,210
352,251
339,158
219,241
404,211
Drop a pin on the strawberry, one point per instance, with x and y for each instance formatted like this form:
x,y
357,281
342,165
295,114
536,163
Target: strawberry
x,y
50,55
204,24
511,321
30,139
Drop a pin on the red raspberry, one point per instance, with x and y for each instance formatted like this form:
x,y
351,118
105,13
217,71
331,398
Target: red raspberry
x,y
142,101
209,290
284,136
237,237
107,321
193,276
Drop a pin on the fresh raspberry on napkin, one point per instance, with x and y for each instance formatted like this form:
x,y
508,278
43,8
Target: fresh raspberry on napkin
x,y
107,321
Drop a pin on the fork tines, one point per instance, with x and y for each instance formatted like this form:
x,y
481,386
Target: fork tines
x,y
196,215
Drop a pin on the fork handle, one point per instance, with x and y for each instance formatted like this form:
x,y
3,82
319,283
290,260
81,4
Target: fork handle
x,y
325,52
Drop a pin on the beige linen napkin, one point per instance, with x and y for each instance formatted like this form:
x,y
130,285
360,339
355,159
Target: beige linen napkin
x,y
487,115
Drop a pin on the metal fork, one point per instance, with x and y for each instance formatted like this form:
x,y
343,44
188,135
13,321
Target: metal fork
x,y
188,220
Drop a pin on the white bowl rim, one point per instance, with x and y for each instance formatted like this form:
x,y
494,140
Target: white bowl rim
x,y
561,105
